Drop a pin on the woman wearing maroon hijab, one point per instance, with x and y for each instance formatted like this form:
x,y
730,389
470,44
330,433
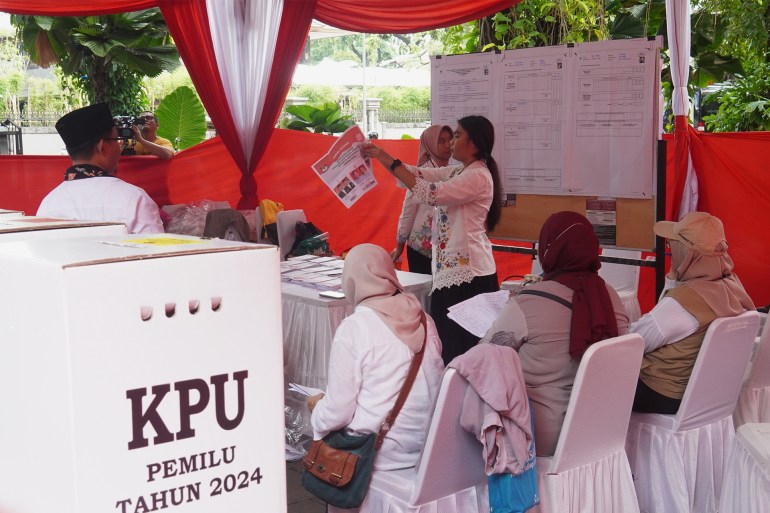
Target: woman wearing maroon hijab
x,y
552,323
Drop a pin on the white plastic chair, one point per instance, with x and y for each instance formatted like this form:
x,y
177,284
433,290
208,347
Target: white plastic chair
x,y
746,486
285,223
677,460
258,225
589,472
754,400
624,279
449,476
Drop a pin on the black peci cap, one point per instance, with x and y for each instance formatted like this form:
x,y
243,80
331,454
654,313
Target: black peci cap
x,y
83,125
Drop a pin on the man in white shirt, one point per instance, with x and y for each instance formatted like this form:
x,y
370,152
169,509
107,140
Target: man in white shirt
x,y
90,190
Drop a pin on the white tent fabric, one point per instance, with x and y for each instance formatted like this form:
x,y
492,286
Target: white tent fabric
x,y
244,35
678,26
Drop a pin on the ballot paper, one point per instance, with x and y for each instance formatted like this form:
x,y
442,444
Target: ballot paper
x,y
344,170
308,391
479,312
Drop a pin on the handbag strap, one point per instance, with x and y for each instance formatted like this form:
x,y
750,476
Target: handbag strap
x,y
405,388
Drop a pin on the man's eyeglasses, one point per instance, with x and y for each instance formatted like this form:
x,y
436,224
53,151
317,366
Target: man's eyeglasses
x,y
147,118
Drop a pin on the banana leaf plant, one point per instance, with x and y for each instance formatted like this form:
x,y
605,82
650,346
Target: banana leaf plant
x,y
181,118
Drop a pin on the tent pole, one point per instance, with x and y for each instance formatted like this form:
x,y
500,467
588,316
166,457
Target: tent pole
x,y
363,94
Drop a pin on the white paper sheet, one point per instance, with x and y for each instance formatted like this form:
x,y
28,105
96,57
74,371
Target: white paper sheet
x,y
308,391
479,312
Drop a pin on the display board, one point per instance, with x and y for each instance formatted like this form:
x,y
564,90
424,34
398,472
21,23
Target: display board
x,y
628,226
575,129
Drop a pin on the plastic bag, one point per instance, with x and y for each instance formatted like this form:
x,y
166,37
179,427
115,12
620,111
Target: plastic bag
x,y
190,218
297,430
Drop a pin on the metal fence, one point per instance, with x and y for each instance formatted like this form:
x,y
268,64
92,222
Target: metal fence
x,y
418,116
35,119
10,138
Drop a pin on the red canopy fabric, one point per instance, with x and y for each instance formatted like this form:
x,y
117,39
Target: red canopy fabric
x,y
75,7
404,16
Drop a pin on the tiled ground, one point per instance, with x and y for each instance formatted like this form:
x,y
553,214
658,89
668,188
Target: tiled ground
x,y
298,499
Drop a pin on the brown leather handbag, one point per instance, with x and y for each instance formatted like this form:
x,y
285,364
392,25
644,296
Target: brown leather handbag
x,y
339,467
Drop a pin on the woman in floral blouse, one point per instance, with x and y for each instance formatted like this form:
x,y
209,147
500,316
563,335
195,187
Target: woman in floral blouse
x,y
468,198
414,225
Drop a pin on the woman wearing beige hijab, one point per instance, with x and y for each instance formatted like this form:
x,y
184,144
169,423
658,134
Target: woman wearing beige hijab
x,y
705,289
414,224
370,358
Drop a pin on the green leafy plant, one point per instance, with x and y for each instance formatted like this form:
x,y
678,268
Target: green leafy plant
x,y
745,106
327,119
181,118
105,56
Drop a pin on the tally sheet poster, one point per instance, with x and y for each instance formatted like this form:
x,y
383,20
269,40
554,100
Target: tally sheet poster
x,y
345,170
571,119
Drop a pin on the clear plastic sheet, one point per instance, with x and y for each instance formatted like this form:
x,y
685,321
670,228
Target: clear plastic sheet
x,y
297,423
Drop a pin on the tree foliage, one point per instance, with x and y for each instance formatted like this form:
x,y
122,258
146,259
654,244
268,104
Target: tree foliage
x,y
385,50
105,57
11,75
726,35
745,106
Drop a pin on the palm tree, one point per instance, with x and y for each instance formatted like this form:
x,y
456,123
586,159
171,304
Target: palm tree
x,y
105,56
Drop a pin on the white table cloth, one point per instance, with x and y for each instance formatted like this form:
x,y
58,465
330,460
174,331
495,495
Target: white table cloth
x,y
746,485
309,323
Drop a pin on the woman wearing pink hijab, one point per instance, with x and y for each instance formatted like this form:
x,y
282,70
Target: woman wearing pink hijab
x,y
370,358
414,225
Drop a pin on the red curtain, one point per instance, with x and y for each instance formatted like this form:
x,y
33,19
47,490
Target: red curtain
x,y
404,16
295,24
188,23
734,185
681,145
205,171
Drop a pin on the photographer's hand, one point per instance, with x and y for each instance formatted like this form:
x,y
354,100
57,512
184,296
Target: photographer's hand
x,y
138,134
152,149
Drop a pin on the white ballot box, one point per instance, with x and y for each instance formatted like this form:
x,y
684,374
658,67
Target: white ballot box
x,y
16,228
141,373
10,213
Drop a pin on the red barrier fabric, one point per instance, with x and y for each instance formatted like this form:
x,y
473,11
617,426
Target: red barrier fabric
x,y
734,186
205,171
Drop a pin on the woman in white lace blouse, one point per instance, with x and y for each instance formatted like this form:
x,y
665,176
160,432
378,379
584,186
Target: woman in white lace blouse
x,y
468,198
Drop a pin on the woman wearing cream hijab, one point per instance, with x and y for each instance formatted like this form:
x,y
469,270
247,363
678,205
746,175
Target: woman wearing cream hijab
x,y
414,224
705,289
370,358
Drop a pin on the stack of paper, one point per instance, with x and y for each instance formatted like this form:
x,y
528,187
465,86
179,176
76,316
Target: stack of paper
x,y
323,273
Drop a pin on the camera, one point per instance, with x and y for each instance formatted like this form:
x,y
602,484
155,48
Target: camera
x,y
123,124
